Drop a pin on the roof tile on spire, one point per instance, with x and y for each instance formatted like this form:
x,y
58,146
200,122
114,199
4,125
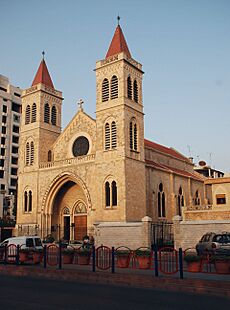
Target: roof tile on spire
x,y
43,76
118,44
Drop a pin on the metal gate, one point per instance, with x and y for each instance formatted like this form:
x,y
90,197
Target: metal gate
x,y
162,234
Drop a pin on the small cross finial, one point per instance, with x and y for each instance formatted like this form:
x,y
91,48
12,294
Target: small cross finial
x,y
43,54
118,19
80,104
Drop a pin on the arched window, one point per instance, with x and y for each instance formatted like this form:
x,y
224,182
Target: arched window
x,y
25,202
107,136
30,201
105,90
114,135
49,155
135,91
107,194
129,87
27,153
133,135
27,119
197,199
54,116
114,87
31,152
110,194
161,201
114,193
34,113
180,201
47,113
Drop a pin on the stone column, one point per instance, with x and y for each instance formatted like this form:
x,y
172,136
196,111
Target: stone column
x,y
146,231
176,231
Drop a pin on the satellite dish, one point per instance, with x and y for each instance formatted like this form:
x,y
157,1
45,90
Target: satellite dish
x,y
202,163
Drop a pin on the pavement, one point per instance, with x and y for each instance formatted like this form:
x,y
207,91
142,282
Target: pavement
x,y
208,284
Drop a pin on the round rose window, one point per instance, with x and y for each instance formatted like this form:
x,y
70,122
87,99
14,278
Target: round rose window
x,y
80,146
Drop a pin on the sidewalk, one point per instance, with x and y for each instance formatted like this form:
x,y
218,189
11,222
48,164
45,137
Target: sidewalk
x,y
214,285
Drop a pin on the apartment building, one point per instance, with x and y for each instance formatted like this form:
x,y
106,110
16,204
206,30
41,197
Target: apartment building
x,y
10,115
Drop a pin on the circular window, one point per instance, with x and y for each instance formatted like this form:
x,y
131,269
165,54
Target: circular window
x,y
80,146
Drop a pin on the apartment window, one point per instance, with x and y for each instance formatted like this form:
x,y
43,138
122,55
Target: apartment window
x,y
14,150
4,119
17,95
3,187
16,107
13,182
3,151
105,90
114,87
4,109
16,118
14,160
15,139
220,199
3,140
14,171
4,129
15,129
1,162
3,89
1,174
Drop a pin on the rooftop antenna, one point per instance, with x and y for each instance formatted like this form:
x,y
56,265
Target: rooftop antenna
x,y
210,159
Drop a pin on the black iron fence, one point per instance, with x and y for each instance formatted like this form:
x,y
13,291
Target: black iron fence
x,y
162,234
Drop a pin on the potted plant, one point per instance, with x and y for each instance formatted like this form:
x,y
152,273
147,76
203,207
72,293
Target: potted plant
x,y
123,256
193,262
67,256
222,264
83,256
37,256
24,255
143,257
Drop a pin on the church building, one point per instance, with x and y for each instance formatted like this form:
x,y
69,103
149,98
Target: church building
x,y
100,176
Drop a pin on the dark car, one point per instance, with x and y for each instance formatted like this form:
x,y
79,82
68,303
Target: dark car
x,y
212,242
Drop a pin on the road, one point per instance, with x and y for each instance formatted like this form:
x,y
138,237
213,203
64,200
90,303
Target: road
x,y
28,293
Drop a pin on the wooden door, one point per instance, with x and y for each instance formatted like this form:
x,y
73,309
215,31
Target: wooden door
x,y
80,227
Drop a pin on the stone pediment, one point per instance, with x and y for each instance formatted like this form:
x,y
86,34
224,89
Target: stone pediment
x,y
81,125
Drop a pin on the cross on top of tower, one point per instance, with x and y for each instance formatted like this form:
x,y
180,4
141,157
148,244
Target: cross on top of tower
x,y
118,19
43,54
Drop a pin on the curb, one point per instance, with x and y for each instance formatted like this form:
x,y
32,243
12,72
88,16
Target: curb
x,y
197,286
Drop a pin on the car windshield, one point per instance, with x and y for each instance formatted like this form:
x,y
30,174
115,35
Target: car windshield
x,y
38,242
29,242
222,238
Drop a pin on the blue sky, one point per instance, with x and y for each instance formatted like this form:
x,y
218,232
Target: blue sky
x,y
184,47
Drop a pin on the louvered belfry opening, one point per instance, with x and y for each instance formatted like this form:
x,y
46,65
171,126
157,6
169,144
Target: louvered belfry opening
x,y
27,120
31,153
114,135
47,113
27,153
129,87
107,136
135,137
34,113
131,135
105,90
114,87
54,116
135,91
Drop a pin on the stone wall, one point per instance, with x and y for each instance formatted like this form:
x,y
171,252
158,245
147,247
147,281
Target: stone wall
x,y
188,233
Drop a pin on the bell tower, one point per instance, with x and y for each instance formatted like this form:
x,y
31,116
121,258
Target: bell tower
x,y
120,124
41,119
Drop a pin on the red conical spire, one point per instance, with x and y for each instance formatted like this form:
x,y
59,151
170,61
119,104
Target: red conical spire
x,y
118,44
42,75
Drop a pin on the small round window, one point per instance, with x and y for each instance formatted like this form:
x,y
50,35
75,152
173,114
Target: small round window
x,y
80,146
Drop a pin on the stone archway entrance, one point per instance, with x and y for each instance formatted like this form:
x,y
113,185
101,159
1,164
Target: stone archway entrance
x,y
69,212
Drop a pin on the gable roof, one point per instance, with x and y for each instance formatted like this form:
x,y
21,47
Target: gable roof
x,y
43,76
166,150
118,44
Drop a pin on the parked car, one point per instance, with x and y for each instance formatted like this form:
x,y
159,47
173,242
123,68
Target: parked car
x,y
24,242
212,243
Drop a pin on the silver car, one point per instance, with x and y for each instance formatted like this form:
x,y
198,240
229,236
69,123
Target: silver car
x,y
211,243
